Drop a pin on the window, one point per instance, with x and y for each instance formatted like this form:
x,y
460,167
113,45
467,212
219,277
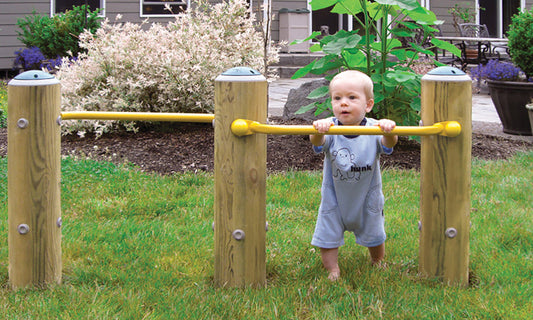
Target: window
x,y
60,6
497,14
156,8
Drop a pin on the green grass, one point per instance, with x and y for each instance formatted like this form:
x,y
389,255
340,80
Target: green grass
x,y
140,246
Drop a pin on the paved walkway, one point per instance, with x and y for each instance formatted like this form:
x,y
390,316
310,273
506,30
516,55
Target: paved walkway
x,y
484,116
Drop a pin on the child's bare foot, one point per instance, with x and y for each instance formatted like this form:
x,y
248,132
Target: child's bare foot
x,y
380,264
334,275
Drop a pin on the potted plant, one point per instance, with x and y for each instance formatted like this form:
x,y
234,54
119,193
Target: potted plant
x,y
511,83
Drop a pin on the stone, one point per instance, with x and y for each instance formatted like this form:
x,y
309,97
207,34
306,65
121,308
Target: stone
x,y
297,98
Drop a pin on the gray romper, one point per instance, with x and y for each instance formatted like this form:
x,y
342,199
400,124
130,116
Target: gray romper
x,y
352,199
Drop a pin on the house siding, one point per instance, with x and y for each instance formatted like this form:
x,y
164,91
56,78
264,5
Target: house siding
x,y
10,11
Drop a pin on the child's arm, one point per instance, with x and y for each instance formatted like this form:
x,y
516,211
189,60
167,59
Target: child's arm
x,y
387,125
322,126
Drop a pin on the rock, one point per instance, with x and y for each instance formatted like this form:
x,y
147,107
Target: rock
x,y
297,98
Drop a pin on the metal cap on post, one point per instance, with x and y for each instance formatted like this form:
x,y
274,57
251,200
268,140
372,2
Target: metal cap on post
x,y
240,180
445,177
34,207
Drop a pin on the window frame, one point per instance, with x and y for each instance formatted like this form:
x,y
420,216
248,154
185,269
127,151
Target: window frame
x,y
53,8
143,15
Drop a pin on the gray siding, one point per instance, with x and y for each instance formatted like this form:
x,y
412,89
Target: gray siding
x,y
10,11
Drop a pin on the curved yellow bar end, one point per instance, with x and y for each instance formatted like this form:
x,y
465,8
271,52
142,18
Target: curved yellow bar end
x,y
241,127
451,129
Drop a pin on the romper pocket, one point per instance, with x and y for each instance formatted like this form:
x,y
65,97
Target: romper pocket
x,y
375,201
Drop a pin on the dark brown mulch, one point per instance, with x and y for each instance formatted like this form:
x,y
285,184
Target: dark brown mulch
x,y
190,147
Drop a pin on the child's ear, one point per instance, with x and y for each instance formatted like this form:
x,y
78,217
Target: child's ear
x,y
369,105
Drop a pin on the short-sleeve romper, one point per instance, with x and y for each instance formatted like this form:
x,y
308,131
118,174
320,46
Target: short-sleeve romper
x,y
352,197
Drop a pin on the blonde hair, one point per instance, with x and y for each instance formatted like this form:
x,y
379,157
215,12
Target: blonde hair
x,y
359,78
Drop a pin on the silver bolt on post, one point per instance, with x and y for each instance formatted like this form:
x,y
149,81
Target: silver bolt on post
x,y
22,123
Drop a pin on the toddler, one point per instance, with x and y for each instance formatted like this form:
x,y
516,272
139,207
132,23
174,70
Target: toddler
x,y
352,199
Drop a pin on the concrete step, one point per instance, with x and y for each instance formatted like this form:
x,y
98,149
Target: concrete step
x,y
289,63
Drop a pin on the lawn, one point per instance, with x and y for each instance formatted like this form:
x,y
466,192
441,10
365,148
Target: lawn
x,y
140,246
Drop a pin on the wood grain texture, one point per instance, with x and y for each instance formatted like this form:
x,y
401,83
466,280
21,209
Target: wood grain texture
x,y
445,181
240,185
34,185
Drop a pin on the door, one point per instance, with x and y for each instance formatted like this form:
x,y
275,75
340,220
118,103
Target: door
x,y
496,14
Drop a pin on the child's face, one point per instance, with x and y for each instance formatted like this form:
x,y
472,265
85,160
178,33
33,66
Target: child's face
x,y
349,101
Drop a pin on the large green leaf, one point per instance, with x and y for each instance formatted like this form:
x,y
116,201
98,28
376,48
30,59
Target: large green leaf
x,y
341,42
312,36
304,71
319,93
446,46
423,16
403,4
355,60
351,7
415,104
391,44
401,76
306,108
326,64
322,4
401,32
421,49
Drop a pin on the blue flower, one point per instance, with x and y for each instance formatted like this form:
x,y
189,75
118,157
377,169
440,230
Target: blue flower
x,y
497,70
32,58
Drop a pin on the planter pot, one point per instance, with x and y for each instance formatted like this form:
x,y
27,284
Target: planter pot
x,y
510,99
471,53
529,108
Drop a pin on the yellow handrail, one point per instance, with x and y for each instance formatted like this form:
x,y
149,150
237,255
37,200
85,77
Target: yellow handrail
x,y
241,127
137,116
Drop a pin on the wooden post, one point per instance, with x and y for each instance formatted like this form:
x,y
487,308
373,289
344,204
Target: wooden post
x,y
445,178
34,205
240,180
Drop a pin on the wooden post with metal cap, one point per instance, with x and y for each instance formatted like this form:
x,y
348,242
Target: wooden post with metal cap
x,y
240,180
34,172
445,178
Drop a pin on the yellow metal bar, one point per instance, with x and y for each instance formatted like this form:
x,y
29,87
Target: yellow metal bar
x,y
137,116
241,127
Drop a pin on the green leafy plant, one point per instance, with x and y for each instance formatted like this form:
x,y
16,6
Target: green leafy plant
x,y
58,35
520,36
396,84
462,15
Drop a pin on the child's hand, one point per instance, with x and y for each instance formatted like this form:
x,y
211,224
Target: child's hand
x,y
386,125
322,125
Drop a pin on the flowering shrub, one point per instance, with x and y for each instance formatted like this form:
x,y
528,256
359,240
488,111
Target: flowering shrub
x,y
160,68
497,70
29,58
32,59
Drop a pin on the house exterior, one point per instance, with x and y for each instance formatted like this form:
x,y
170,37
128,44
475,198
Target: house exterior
x,y
292,19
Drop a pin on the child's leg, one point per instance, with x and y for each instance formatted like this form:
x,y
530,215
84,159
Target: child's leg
x,y
377,253
330,262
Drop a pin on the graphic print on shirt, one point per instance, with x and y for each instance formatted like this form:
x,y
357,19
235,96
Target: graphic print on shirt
x,y
344,166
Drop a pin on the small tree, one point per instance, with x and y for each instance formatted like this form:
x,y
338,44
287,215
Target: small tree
x,y
396,85
58,35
